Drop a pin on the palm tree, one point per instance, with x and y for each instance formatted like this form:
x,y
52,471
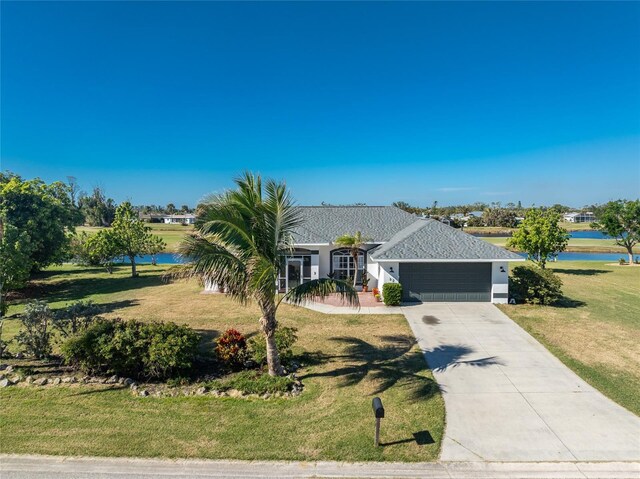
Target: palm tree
x,y
241,238
353,243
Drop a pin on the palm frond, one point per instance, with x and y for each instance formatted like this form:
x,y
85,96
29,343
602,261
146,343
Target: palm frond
x,y
320,289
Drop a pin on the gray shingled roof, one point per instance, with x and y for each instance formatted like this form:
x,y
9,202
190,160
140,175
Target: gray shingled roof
x,y
323,224
428,239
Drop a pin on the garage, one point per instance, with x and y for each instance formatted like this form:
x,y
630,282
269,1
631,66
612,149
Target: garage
x,y
454,282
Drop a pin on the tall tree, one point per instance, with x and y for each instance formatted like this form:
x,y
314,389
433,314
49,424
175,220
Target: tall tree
x,y
540,236
354,244
240,239
98,210
15,260
170,209
621,220
43,211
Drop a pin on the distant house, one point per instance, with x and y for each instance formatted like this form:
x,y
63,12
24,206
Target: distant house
x,y
187,219
586,217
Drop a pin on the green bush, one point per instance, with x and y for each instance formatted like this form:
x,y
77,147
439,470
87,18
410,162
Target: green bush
x,y
76,317
133,349
35,335
253,382
534,285
392,294
285,339
231,348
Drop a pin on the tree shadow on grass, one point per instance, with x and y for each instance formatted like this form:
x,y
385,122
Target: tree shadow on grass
x,y
76,289
566,302
581,272
396,362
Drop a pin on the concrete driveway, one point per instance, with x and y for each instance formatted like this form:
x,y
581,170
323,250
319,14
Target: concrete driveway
x,y
509,399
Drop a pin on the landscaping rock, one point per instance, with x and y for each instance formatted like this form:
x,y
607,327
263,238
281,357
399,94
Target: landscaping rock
x,y
143,393
69,380
5,383
266,396
28,379
201,391
41,382
128,382
134,387
234,393
19,356
112,380
16,379
56,381
8,369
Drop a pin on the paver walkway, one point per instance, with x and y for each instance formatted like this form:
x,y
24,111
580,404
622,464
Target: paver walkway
x,y
508,399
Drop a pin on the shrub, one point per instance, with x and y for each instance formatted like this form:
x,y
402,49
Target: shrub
x,y
534,285
231,348
35,336
285,339
392,294
254,382
133,349
76,317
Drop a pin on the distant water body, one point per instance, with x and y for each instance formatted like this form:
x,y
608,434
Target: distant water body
x,y
168,258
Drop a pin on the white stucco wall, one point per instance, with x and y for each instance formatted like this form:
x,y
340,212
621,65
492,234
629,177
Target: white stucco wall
x,y
387,273
500,282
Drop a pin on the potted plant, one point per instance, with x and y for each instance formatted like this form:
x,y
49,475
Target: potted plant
x,y
365,283
378,297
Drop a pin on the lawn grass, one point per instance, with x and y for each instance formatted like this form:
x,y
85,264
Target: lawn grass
x,y
596,330
349,360
578,245
171,234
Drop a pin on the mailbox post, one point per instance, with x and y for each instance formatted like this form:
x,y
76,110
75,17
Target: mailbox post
x,y
378,412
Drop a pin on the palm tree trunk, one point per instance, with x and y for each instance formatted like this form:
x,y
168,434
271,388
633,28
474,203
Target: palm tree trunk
x,y
268,324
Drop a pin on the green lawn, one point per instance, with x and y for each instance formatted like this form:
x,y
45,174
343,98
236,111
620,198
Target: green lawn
x,y
580,245
349,360
596,330
171,234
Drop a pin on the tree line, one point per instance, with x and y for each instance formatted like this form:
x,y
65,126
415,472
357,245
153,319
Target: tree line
x,y
38,229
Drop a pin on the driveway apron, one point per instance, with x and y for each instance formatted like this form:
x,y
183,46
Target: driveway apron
x,y
508,399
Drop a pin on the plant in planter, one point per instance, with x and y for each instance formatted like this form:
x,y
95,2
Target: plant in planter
x,y
377,296
365,282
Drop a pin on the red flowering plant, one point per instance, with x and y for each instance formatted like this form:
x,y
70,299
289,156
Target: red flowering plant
x,y
231,348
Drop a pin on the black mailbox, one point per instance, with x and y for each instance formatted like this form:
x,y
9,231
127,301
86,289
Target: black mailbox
x,y
378,410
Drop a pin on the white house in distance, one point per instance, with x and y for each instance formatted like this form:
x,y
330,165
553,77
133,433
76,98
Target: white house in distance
x,y
187,219
586,217
432,261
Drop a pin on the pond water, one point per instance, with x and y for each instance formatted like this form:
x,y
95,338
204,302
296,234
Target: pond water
x,y
169,258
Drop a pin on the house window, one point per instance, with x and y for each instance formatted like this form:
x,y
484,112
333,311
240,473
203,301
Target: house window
x,y
343,265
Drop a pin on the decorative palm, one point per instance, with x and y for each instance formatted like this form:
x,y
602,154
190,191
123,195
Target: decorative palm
x,y
240,240
353,243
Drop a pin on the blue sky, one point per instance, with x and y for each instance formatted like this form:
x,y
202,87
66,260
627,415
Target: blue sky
x,y
348,102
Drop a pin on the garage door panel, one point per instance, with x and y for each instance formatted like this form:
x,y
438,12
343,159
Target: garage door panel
x,y
455,282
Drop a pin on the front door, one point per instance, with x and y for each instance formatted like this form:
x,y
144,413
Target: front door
x,y
294,273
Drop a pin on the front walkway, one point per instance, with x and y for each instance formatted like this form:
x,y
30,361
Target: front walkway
x,y
508,399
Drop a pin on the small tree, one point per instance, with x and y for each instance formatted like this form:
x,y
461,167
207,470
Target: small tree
x,y
353,243
621,220
103,249
130,236
156,245
540,236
